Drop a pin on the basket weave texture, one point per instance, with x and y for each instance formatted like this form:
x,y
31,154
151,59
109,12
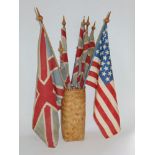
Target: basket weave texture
x,y
73,115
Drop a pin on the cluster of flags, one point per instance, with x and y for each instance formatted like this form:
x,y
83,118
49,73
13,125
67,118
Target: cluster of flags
x,y
92,67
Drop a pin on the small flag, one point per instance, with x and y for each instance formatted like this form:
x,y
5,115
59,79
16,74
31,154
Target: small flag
x,y
78,54
64,66
100,76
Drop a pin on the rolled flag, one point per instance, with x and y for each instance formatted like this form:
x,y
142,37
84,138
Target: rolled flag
x,y
49,92
83,56
64,65
90,52
106,113
78,54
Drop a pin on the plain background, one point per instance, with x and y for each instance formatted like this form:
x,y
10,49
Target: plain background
x,y
121,37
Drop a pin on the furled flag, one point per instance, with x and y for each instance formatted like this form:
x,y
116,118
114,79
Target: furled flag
x,y
106,113
49,92
90,52
80,79
64,66
78,55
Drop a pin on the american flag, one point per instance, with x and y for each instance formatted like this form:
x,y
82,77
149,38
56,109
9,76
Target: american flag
x,y
100,76
49,92
64,56
79,52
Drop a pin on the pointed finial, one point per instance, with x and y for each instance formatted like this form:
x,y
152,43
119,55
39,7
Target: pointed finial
x,y
87,23
106,20
38,15
93,27
64,21
60,49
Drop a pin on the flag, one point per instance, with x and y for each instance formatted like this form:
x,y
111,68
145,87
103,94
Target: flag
x,y
49,92
100,76
90,52
64,66
78,55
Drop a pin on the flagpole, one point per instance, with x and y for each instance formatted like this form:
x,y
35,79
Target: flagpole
x,y
40,19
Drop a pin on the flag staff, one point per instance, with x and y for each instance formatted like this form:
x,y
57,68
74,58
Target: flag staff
x,y
107,20
40,19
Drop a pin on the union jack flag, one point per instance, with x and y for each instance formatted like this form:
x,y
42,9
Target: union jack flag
x,y
49,92
64,56
100,76
79,52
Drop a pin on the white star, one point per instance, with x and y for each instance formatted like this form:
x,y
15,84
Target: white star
x,y
102,63
100,42
110,73
106,68
103,73
105,58
107,79
97,51
100,47
108,62
104,46
106,41
107,52
101,53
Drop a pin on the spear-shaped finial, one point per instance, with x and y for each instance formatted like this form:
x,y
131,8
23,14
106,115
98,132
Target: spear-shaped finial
x,y
63,21
93,27
39,16
87,23
106,20
60,49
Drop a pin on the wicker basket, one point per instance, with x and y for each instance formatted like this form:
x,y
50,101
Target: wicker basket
x,y
73,115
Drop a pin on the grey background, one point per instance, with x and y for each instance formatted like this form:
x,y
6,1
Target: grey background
x,y
121,37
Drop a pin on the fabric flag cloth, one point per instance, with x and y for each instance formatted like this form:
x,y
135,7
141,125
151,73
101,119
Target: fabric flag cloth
x,y
82,60
49,92
64,66
90,52
100,77
78,55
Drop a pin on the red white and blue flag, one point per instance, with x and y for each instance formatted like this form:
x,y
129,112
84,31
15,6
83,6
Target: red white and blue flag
x,y
49,92
100,77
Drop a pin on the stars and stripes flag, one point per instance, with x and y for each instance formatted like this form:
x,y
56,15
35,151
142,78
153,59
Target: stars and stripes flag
x,y
49,92
64,66
78,55
90,52
100,76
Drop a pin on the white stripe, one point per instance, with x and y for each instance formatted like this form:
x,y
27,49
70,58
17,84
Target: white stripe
x,y
96,59
92,79
102,122
94,69
107,111
108,94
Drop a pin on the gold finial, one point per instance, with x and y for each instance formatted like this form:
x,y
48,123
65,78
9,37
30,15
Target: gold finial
x,y
93,27
64,21
39,16
60,49
87,23
106,20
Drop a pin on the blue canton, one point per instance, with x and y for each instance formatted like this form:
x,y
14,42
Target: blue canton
x,y
103,53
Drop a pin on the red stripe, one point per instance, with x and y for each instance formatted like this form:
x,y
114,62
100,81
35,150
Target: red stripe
x,y
59,91
91,84
82,82
49,135
100,127
95,64
86,46
68,79
76,69
105,117
81,33
108,103
43,59
79,52
52,64
112,90
64,57
91,44
63,33
88,59
93,74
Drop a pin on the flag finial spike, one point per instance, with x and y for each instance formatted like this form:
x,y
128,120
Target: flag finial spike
x,y
60,49
64,21
93,27
39,17
87,23
106,20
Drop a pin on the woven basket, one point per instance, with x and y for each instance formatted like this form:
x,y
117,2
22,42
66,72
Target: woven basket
x,y
73,115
